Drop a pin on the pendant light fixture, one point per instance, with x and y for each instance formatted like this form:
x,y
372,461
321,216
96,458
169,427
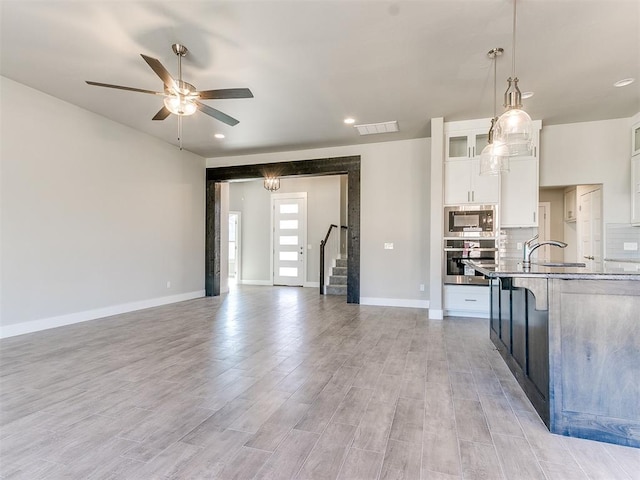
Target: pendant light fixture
x,y
514,126
272,183
494,158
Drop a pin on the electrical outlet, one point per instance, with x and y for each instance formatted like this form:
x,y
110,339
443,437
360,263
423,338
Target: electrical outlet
x,y
630,245
168,284
309,247
388,246
519,246
422,287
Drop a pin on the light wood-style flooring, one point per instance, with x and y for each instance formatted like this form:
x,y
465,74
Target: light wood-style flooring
x,y
277,383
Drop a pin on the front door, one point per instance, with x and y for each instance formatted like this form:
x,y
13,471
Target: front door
x,y
289,237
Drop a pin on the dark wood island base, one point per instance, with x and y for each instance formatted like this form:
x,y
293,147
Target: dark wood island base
x,y
572,342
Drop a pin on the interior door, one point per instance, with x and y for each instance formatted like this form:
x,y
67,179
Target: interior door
x,y
590,219
289,237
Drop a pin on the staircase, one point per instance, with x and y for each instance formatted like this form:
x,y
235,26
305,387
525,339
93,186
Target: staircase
x,y
338,278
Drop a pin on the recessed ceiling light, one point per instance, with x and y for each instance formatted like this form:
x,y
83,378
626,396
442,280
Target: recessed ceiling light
x,y
527,94
349,121
219,135
624,82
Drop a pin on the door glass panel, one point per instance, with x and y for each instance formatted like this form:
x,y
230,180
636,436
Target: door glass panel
x,y
482,141
289,208
288,240
288,224
288,271
289,256
458,147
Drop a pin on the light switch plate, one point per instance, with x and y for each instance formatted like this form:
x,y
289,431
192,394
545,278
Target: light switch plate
x,y
630,246
388,246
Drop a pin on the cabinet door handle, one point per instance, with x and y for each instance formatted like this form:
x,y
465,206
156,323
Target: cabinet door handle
x,y
470,300
534,217
473,195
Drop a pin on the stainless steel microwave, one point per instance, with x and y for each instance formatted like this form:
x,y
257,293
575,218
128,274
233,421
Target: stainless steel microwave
x,y
470,221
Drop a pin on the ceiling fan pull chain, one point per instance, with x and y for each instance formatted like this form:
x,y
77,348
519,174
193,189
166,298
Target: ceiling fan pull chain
x,y
180,131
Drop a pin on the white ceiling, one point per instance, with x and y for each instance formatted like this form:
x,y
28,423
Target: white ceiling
x,y
310,64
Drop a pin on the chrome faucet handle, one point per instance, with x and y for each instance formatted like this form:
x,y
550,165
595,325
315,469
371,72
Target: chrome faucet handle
x,y
532,239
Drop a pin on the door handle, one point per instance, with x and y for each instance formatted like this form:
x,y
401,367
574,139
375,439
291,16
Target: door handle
x,y
589,257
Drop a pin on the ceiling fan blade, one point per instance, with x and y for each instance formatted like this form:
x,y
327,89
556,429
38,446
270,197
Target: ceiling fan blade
x,y
225,93
217,114
162,72
120,87
162,114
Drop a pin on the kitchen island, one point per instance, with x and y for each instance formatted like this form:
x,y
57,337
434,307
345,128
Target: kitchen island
x,y
571,337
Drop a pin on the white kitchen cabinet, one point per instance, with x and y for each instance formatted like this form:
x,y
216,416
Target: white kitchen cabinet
x,y
519,193
635,139
635,190
466,143
466,300
463,183
570,208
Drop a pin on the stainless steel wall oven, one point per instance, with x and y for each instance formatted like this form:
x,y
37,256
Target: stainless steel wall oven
x,y
469,234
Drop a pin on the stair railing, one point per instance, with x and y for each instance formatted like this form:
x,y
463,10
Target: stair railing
x,y
332,243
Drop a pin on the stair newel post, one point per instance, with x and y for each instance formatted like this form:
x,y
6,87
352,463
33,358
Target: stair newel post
x,y
322,243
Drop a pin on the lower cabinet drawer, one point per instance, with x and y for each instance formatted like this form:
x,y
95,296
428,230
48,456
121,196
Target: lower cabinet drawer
x,y
466,298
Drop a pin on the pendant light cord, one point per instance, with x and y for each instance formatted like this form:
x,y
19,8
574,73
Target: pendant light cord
x,y
495,87
513,53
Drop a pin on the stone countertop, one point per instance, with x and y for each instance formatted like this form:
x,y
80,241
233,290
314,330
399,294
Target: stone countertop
x,y
513,269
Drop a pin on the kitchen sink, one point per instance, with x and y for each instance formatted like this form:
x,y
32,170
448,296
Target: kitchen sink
x,y
561,264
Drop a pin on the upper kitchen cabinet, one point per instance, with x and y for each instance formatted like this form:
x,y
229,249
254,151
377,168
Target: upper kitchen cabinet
x,y
635,139
519,193
635,190
519,188
463,183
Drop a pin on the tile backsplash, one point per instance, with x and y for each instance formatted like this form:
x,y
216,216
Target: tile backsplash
x,y
508,241
623,241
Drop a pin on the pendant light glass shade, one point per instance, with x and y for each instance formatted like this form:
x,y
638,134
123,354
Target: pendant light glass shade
x,y
494,159
514,127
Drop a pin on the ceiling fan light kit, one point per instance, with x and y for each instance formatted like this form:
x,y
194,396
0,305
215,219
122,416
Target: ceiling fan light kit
x,y
514,126
182,98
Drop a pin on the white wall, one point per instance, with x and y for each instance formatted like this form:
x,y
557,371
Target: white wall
x,y
395,196
96,217
250,198
590,153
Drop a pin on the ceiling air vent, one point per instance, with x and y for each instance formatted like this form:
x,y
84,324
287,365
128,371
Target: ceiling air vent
x,y
374,128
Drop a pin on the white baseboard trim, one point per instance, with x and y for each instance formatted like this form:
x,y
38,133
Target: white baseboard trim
x,y
463,313
257,282
78,317
394,302
436,314
312,284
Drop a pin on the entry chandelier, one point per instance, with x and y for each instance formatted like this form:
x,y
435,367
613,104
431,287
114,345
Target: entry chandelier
x,y
272,183
514,126
494,158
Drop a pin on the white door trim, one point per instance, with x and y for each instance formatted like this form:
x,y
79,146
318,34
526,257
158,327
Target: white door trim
x,y
296,195
238,246
545,220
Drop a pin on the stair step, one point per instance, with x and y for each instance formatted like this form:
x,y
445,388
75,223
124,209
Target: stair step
x,y
341,262
339,271
337,280
336,290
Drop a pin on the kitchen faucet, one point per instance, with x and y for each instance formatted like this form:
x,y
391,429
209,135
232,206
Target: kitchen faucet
x,y
530,247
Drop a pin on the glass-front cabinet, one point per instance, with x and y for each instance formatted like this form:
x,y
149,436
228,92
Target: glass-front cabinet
x,y
635,139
